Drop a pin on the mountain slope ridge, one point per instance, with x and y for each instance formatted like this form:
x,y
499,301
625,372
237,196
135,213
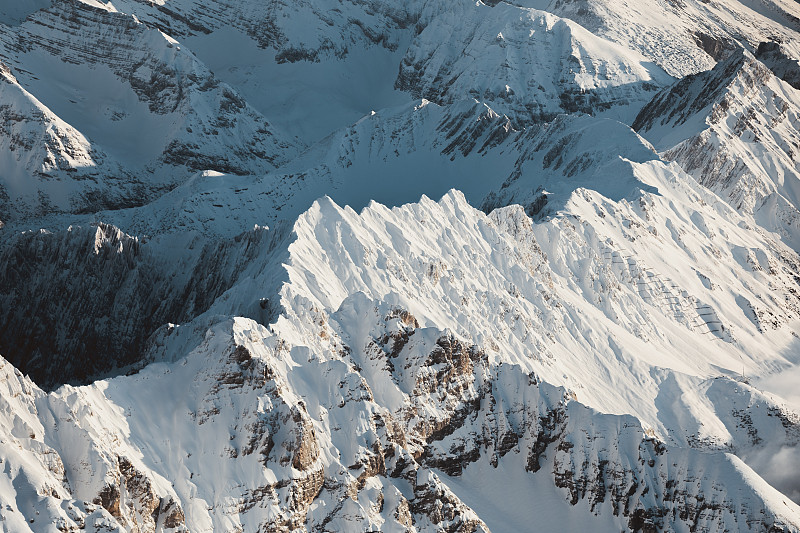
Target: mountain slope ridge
x,y
394,371
347,265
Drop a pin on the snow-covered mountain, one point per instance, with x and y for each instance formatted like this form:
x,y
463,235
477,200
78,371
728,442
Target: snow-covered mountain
x,y
500,54
38,146
122,92
683,37
466,346
736,129
353,266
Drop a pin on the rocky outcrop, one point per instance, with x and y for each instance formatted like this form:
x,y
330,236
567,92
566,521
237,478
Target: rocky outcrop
x,y
578,361
780,62
128,500
490,414
133,501
328,33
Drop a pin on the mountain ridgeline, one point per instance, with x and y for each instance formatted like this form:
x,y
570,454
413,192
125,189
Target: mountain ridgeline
x,y
440,267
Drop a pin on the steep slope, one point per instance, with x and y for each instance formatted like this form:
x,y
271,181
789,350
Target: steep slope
x,y
684,37
538,64
311,67
780,61
107,293
564,318
524,63
569,153
554,166
736,129
43,489
48,165
197,228
113,290
392,156
297,31
150,104
527,64
213,343
381,395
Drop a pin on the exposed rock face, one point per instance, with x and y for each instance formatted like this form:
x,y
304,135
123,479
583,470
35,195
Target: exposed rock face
x,y
195,121
613,467
382,400
128,499
589,57
780,62
735,129
328,31
110,292
114,291
132,500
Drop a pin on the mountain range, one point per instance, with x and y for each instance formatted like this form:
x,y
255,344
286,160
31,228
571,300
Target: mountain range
x,y
523,265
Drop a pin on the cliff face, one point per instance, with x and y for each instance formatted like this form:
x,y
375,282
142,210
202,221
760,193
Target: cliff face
x,y
107,293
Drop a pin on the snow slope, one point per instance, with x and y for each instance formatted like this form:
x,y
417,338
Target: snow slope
x,y
246,313
527,64
523,62
735,129
444,347
49,165
391,156
129,287
683,37
132,92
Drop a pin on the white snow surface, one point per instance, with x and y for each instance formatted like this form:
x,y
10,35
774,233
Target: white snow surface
x,y
671,34
566,301
593,328
735,129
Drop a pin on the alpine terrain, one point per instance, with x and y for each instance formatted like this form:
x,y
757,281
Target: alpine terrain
x,y
426,266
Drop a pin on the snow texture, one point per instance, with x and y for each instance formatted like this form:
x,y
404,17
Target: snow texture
x,y
441,266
